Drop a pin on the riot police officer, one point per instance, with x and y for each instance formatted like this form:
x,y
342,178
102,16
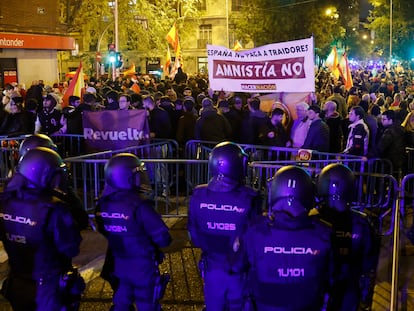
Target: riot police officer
x,y
39,236
288,252
355,255
64,192
135,234
218,212
36,140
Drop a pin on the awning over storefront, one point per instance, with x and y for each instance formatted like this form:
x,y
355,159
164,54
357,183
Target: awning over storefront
x,y
34,41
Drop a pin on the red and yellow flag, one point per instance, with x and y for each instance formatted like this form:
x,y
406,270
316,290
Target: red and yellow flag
x,y
76,86
332,62
167,62
237,46
130,71
172,37
345,71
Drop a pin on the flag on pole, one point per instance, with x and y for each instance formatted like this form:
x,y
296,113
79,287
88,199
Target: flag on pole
x,y
346,72
237,46
332,62
130,71
76,86
178,55
172,37
167,62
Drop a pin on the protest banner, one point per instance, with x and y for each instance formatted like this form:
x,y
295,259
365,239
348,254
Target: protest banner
x,y
278,67
114,129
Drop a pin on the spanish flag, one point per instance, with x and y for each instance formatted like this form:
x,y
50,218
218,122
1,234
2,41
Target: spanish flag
x,y
130,71
237,46
345,71
76,86
167,62
332,62
172,37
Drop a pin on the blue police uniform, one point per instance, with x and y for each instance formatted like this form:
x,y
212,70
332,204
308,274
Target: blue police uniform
x,y
215,219
40,237
135,232
290,261
355,258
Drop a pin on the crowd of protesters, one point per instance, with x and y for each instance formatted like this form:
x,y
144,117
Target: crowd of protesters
x,y
374,118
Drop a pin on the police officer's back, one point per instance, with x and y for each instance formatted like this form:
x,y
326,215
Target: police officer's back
x,y
354,243
218,212
288,252
65,191
39,234
135,233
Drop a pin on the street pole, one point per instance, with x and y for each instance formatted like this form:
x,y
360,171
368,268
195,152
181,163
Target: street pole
x,y
227,24
98,47
116,38
390,32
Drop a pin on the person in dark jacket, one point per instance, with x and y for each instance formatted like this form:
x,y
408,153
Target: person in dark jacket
x,y
186,123
158,119
274,133
135,233
218,212
317,137
73,114
50,121
391,145
253,122
211,126
334,122
41,245
18,121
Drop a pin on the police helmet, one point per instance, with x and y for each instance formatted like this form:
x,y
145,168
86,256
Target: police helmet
x,y
43,168
227,164
335,186
291,191
36,140
124,171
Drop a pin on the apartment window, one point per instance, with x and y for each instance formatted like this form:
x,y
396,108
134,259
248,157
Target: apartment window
x,y
205,35
236,5
201,5
202,64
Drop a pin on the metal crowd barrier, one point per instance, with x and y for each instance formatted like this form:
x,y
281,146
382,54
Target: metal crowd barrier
x,y
374,193
171,179
9,156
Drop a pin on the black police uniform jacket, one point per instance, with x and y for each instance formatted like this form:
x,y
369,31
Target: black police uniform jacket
x,y
39,234
355,249
290,261
215,219
134,231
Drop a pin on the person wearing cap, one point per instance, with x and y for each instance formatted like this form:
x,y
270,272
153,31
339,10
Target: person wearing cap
x,y
211,126
317,137
50,121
